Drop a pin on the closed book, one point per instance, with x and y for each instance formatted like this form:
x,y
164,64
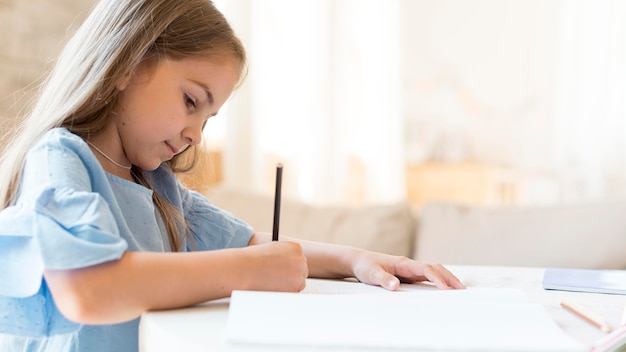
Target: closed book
x,y
585,280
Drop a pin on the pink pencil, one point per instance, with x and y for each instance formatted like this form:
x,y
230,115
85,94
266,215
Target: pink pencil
x,y
587,315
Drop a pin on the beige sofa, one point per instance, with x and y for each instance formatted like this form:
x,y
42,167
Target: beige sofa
x,y
585,236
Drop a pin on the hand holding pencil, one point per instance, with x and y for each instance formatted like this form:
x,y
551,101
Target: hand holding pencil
x,y
327,260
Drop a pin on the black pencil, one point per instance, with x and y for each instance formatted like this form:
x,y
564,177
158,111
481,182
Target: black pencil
x,y
279,180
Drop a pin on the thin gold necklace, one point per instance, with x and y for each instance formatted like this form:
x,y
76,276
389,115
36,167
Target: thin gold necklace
x,y
109,158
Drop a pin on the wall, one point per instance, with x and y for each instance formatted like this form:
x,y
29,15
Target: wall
x,y
537,85
481,86
32,33
477,76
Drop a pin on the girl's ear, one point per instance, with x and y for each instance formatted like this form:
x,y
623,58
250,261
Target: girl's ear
x,y
122,83
143,69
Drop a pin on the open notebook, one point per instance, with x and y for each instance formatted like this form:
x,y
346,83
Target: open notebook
x,y
347,314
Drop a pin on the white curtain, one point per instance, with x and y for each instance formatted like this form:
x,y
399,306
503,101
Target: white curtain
x,y
530,84
323,97
590,102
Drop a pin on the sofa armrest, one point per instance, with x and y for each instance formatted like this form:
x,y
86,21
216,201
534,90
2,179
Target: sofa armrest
x,y
584,235
382,228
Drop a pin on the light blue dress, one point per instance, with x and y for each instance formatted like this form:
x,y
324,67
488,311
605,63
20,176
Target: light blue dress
x,y
70,214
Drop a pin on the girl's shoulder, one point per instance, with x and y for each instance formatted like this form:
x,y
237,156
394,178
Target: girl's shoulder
x,y
61,136
59,139
61,158
63,144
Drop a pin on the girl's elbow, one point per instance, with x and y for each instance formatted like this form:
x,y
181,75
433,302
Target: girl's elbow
x,y
79,308
75,297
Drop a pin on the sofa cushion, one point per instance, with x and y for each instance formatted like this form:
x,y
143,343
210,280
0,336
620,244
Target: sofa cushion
x,y
382,228
584,236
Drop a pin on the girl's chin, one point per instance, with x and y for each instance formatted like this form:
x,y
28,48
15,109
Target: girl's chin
x,y
150,166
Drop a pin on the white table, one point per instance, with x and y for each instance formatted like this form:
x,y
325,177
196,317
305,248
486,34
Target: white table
x,y
201,327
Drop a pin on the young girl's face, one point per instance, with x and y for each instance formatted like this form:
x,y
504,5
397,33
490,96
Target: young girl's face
x,y
162,110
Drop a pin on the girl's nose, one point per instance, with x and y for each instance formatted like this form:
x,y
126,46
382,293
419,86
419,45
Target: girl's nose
x,y
192,135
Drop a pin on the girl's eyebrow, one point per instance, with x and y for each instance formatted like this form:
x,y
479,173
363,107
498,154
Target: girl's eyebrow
x,y
204,87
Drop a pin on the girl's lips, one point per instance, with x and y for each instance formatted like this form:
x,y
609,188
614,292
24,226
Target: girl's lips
x,y
171,148
174,150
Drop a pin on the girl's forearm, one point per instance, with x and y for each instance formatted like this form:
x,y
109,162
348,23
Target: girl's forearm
x,y
325,260
121,290
329,261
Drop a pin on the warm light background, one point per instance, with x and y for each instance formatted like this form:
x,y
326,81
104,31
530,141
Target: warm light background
x,y
480,101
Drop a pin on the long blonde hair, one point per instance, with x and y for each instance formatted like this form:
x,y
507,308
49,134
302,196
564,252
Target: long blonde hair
x,y
117,36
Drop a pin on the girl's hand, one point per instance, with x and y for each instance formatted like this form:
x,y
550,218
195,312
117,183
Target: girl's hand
x,y
277,266
388,271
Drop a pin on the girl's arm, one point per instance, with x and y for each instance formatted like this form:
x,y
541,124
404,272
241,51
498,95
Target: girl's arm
x,y
335,261
121,290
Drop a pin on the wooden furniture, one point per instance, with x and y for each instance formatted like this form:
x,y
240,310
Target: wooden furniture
x,y
471,183
466,183
206,173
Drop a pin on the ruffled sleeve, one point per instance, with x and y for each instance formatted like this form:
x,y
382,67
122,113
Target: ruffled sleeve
x,y
58,229
212,227
20,262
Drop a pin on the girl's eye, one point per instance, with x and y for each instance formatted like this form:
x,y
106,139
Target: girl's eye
x,y
190,103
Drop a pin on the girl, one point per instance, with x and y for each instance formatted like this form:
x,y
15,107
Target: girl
x,y
95,228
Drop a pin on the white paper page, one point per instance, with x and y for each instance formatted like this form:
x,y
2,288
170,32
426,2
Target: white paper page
x,y
454,320
319,286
